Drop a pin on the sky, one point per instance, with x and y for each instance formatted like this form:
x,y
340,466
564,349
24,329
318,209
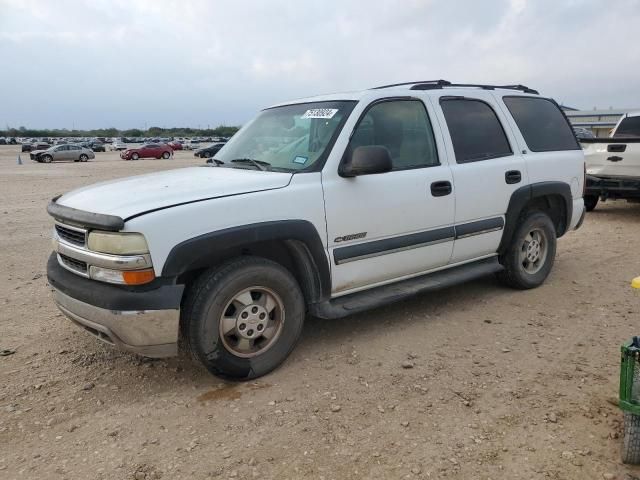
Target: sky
x,y
198,63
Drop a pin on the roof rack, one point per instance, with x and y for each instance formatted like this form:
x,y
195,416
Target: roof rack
x,y
439,84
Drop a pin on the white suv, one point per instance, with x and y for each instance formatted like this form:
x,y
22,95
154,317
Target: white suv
x,y
327,205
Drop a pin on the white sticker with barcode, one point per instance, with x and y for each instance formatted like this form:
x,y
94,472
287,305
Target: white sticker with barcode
x,y
320,113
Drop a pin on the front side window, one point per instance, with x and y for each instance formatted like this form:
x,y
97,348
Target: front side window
x,y
542,124
475,130
289,138
403,127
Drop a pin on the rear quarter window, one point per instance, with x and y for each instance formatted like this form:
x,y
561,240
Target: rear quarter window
x,y
542,124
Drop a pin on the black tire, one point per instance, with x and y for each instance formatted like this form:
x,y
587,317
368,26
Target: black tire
x,y
46,158
135,156
590,202
631,439
166,155
211,296
515,273
83,158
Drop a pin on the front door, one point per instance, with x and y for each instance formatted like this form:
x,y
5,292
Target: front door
x,y
392,225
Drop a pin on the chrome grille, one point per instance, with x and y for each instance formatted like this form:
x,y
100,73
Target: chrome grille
x,y
76,236
73,264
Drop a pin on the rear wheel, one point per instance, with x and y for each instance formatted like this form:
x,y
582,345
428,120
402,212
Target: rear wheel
x,y
529,259
243,319
590,202
166,155
83,158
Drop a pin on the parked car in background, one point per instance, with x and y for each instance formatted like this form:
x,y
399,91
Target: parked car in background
x,y
210,151
30,147
69,152
582,132
11,141
175,145
613,164
191,145
148,150
117,146
97,146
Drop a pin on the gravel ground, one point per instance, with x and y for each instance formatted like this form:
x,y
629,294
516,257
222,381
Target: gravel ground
x,y
474,382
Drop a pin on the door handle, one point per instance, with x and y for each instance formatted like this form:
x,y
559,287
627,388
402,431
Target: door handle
x,y
513,176
441,188
617,148
614,159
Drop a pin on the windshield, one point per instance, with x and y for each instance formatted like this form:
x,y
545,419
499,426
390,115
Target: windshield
x,y
289,138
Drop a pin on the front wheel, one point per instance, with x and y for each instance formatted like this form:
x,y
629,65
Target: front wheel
x,y
631,439
590,202
528,260
47,158
243,319
135,156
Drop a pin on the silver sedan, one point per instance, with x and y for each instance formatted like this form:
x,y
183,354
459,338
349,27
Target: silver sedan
x,y
63,152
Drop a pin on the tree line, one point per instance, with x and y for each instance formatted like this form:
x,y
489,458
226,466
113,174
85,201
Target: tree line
x,y
220,131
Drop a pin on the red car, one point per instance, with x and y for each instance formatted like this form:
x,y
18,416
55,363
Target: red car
x,y
175,145
149,150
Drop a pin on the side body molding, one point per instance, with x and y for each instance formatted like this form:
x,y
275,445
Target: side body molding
x,y
300,236
524,195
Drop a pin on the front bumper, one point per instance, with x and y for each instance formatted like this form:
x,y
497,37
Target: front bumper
x,y
142,320
150,333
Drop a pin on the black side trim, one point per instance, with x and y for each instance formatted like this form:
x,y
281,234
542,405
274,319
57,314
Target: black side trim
x,y
112,297
83,218
203,251
390,245
360,301
478,227
526,193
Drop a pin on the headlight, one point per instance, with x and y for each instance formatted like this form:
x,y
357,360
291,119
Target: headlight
x,y
118,243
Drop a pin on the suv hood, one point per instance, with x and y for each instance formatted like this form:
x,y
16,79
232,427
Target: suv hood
x,y
135,195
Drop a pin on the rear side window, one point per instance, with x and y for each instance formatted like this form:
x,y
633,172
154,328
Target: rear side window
x,y
475,130
542,124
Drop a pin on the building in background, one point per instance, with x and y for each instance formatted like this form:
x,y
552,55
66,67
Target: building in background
x,y
600,122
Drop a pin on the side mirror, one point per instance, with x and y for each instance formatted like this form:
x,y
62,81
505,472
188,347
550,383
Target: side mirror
x,y
367,160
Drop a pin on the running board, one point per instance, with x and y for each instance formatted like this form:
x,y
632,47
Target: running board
x,y
375,297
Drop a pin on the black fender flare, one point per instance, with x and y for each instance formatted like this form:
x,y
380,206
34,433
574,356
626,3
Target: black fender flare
x,y
300,236
523,195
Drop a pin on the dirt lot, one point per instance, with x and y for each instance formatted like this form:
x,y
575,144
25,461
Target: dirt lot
x,y
501,384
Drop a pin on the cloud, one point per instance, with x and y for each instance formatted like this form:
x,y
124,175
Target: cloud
x,y
125,63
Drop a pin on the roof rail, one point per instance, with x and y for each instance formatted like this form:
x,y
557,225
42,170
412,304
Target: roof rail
x,y
423,82
438,84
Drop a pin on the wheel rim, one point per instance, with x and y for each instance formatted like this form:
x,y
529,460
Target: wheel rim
x,y
251,321
533,252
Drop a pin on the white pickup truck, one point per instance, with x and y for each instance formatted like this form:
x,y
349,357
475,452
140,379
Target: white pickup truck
x,y
328,206
613,164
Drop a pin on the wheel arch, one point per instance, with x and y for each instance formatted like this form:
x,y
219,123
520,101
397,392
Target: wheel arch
x,y
553,198
295,244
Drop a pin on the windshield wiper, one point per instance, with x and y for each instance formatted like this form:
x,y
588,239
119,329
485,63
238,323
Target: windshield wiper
x,y
259,164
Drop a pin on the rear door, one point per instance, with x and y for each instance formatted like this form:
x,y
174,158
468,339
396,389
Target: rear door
x,y
488,168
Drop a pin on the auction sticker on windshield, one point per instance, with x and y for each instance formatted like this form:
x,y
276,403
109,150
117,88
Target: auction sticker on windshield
x,y
320,113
